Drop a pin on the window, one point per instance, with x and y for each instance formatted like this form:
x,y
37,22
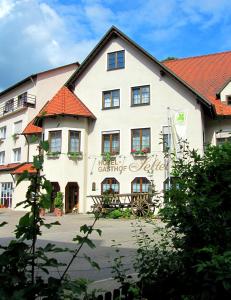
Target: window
x,y
2,157
222,140
110,185
74,141
141,139
3,132
141,95
22,99
111,99
110,143
9,106
18,127
6,194
115,60
55,141
140,185
16,155
166,138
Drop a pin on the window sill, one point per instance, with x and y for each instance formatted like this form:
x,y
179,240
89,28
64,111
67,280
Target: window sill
x,y
140,104
108,108
114,69
139,154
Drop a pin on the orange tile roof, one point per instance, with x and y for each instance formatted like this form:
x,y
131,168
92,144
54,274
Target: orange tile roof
x,y
9,167
25,167
206,74
32,129
65,103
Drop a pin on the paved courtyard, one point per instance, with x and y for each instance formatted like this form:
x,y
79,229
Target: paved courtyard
x,y
119,230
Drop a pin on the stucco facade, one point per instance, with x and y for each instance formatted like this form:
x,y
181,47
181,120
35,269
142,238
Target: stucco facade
x,y
126,172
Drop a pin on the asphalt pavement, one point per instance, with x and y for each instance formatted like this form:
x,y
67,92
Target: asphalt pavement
x,y
118,231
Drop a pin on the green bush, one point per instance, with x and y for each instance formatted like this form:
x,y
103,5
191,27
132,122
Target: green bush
x,y
58,202
115,214
192,258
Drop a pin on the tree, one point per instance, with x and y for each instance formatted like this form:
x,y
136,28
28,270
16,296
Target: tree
x,y
193,258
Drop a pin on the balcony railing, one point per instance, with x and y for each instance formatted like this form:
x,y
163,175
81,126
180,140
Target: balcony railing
x,y
17,103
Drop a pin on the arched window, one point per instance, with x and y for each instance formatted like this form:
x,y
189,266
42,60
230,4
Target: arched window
x,y
140,185
110,185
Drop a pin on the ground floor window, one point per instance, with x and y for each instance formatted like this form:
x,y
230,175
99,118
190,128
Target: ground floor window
x,y
140,185
6,194
222,140
110,185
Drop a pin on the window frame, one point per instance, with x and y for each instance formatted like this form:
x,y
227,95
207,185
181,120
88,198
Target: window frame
x,y
49,140
20,131
69,141
111,99
4,156
141,179
6,193
9,106
110,183
14,153
141,147
110,135
22,99
116,60
140,93
165,146
2,130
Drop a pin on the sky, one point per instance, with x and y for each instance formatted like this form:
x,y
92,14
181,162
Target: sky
x,y
38,35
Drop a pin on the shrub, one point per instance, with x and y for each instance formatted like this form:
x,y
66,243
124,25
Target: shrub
x,y
58,202
192,259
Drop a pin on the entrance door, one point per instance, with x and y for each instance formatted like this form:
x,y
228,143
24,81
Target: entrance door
x,y
71,196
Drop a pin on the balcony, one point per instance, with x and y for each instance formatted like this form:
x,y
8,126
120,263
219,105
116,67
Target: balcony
x,y
17,103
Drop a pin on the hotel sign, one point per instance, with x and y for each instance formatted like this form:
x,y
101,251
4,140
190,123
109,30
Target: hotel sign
x,y
147,164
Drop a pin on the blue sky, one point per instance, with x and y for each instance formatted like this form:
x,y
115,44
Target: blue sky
x,y
37,35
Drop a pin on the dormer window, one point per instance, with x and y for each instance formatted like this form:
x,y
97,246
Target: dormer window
x,y
228,100
115,60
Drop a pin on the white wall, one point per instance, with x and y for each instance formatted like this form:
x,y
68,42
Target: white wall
x,y
225,92
164,93
63,169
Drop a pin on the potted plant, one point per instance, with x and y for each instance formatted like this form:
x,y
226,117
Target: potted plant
x,y
58,204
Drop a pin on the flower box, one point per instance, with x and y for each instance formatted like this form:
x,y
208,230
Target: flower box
x,y
75,155
53,154
140,153
109,156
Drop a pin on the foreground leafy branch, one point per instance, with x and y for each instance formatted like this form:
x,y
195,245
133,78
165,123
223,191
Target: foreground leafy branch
x,y
21,259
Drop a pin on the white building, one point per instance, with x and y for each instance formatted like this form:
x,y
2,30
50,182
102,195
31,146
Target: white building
x,y
119,103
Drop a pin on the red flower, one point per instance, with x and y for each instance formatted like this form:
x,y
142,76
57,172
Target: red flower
x,y
145,150
133,151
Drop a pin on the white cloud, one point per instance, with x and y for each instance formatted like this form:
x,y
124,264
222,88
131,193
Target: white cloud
x,y
38,34
5,7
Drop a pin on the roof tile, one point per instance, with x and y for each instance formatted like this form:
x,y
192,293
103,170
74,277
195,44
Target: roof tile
x,y
25,167
65,103
206,74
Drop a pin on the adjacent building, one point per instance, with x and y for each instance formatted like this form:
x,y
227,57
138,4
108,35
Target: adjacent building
x,y
110,121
